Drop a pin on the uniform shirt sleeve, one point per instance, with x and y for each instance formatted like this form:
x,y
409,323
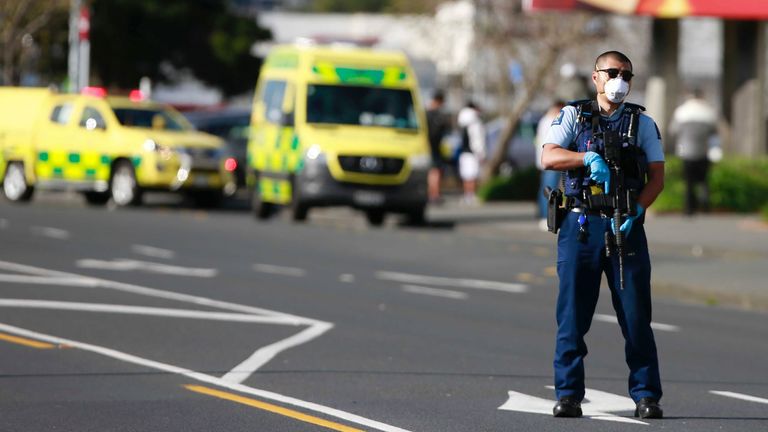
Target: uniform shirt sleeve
x,y
649,139
562,131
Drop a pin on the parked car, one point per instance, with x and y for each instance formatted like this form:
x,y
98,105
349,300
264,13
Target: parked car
x,y
232,125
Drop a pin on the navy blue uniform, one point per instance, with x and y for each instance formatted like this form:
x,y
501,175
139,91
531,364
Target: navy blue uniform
x,y
582,262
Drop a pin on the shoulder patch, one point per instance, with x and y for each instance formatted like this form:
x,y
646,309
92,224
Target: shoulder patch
x,y
558,119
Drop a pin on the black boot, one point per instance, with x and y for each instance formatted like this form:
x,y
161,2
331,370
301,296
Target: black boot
x,y
567,407
648,408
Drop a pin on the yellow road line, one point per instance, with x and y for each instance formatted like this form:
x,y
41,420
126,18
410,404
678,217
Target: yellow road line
x,y
271,408
28,342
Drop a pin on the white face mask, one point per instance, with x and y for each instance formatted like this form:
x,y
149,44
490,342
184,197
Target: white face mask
x,y
616,89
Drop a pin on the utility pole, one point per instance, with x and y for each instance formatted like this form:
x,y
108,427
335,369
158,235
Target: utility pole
x,y
79,45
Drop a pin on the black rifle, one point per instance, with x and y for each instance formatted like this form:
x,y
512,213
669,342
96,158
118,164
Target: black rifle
x,y
620,201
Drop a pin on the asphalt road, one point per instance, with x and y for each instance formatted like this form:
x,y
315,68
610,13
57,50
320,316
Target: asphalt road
x,y
176,319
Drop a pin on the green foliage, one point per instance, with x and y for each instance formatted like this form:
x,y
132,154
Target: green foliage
x,y
523,185
736,184
135,38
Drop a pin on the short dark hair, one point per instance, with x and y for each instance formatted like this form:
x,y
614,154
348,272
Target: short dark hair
x,y
438,96
616,55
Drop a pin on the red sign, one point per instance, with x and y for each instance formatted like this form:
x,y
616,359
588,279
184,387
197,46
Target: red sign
x,y
732,9
84,24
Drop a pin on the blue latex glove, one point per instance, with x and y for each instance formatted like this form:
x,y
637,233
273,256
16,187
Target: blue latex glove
x,y
626,227
599,169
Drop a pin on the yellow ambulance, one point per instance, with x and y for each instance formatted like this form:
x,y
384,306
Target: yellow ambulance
x,y
105,147
338,126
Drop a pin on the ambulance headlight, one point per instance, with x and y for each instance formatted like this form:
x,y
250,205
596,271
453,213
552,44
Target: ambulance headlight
x,y
315,154
420,162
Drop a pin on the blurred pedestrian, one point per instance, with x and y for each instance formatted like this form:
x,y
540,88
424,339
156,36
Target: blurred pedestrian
x,y
472,150
438,126
694,129
549,178
572,86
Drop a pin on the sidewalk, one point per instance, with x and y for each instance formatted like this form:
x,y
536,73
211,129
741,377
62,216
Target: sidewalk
x,y
713,259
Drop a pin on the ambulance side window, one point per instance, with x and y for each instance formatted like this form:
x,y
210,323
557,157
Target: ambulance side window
x,y
92,119
61,113
274,91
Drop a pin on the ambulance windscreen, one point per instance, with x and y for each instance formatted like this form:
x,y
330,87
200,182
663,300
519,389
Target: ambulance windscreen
x,y
148,118
361,106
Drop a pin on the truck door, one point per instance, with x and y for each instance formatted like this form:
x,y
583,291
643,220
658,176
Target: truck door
x,y
91,150
52,141
274,145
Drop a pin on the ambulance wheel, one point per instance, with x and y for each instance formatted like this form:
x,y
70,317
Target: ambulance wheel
x,y
375,217
416,216
96,198
123,187
15,185
261,210
299,210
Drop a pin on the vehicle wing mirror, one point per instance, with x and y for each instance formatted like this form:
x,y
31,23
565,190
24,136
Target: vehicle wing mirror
x,y
287,119
94,124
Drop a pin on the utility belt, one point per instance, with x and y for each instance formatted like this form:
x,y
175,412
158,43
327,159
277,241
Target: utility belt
x,y
558,207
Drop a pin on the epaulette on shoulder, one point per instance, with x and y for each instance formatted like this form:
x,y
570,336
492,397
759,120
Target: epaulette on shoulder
x,y
635,107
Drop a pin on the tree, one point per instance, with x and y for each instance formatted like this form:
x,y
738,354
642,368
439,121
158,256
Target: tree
x,y
536,41
20,22
131,39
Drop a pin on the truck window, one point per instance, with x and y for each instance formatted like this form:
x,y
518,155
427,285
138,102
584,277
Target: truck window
x,y
150,118
61,113
274,91
361,106
92,119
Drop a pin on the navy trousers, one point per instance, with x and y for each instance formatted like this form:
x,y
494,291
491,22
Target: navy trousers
x,y
580,266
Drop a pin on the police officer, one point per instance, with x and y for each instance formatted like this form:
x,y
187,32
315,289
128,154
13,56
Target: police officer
x,y
574,145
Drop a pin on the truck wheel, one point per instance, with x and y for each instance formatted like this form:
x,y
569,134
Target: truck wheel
x,y
375,217
96,198
261,210
123,187
299,210
15,185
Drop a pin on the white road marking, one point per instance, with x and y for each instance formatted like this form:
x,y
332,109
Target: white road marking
x,y
243,371
54,233
279,270
741,396
46,280
437,292
598,405
132,265
150,292
145,310
347,278
654,325
153,252
263,355
452,282
198,376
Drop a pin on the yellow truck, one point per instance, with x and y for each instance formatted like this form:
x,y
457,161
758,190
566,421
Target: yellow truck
x,y
338,127
105,147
